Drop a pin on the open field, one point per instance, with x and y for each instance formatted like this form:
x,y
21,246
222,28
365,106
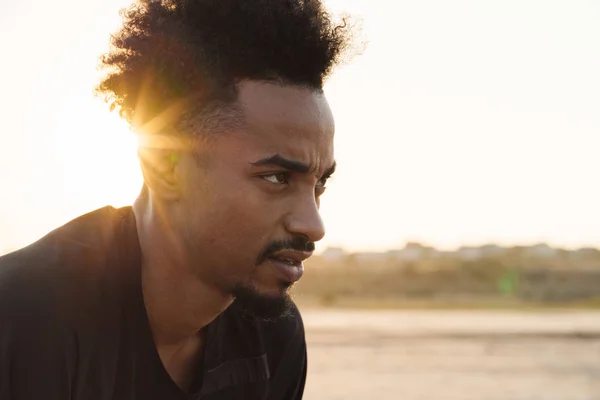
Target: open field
x,y
459,355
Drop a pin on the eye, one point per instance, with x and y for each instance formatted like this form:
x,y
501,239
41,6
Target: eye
x,y
322,182
280,178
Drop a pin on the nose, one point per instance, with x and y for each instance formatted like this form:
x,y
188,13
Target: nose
x,y
306,220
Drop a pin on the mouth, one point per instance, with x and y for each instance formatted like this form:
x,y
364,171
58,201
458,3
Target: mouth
x,y
291,257
289,261
289,264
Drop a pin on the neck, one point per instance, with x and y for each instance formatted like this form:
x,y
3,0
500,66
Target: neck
x,y
178,303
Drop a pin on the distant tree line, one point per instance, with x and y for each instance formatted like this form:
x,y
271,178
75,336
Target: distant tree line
x,y
512,276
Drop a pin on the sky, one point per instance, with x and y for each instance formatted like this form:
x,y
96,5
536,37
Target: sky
x,y
462,123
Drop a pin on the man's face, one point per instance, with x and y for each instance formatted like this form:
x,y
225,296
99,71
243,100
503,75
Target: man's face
x,y
249,208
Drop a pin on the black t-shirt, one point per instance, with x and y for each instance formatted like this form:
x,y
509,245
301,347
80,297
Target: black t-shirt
x,y
73,326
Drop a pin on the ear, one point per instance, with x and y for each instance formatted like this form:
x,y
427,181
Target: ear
x,y
159,168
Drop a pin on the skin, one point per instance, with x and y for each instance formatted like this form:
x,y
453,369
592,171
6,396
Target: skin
x,y
205,214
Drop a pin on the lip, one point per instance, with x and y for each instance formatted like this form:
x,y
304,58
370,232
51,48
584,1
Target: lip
x,y
289,272
297,256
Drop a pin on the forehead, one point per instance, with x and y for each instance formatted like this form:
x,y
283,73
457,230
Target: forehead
x,y
292,121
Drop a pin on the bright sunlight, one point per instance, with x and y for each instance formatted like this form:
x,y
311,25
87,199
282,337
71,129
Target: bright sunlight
x,y
459,125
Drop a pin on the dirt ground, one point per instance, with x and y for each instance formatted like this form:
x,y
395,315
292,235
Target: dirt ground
x,y
459,355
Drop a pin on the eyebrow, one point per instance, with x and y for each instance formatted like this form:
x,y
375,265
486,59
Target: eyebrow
x,y
278,160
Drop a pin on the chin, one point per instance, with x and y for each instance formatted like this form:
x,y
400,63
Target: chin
x,y
267,305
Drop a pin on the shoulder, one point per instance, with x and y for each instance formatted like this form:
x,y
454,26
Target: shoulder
x,y
286,351
276,333
285,329
284,339
48,278
75,238
274,337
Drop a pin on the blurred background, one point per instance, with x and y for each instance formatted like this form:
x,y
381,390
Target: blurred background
x,y
461,260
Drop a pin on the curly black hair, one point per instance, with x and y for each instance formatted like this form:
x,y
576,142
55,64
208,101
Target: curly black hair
x,y
170,51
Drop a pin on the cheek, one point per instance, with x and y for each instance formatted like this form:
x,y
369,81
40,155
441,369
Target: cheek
x,y
248,211
240,216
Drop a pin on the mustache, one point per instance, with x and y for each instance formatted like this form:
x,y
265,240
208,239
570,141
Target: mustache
x,y
298,243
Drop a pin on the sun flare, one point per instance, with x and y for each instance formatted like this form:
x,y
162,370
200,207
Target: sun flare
x,y
107,171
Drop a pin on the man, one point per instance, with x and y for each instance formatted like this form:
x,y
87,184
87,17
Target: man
x,y
185,294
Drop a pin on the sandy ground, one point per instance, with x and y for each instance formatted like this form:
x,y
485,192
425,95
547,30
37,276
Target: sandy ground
x,y
453,355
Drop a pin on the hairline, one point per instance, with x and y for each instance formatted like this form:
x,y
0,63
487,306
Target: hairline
x,y
222,114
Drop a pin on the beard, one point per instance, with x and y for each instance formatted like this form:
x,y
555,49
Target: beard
x,y
267,308
251,302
